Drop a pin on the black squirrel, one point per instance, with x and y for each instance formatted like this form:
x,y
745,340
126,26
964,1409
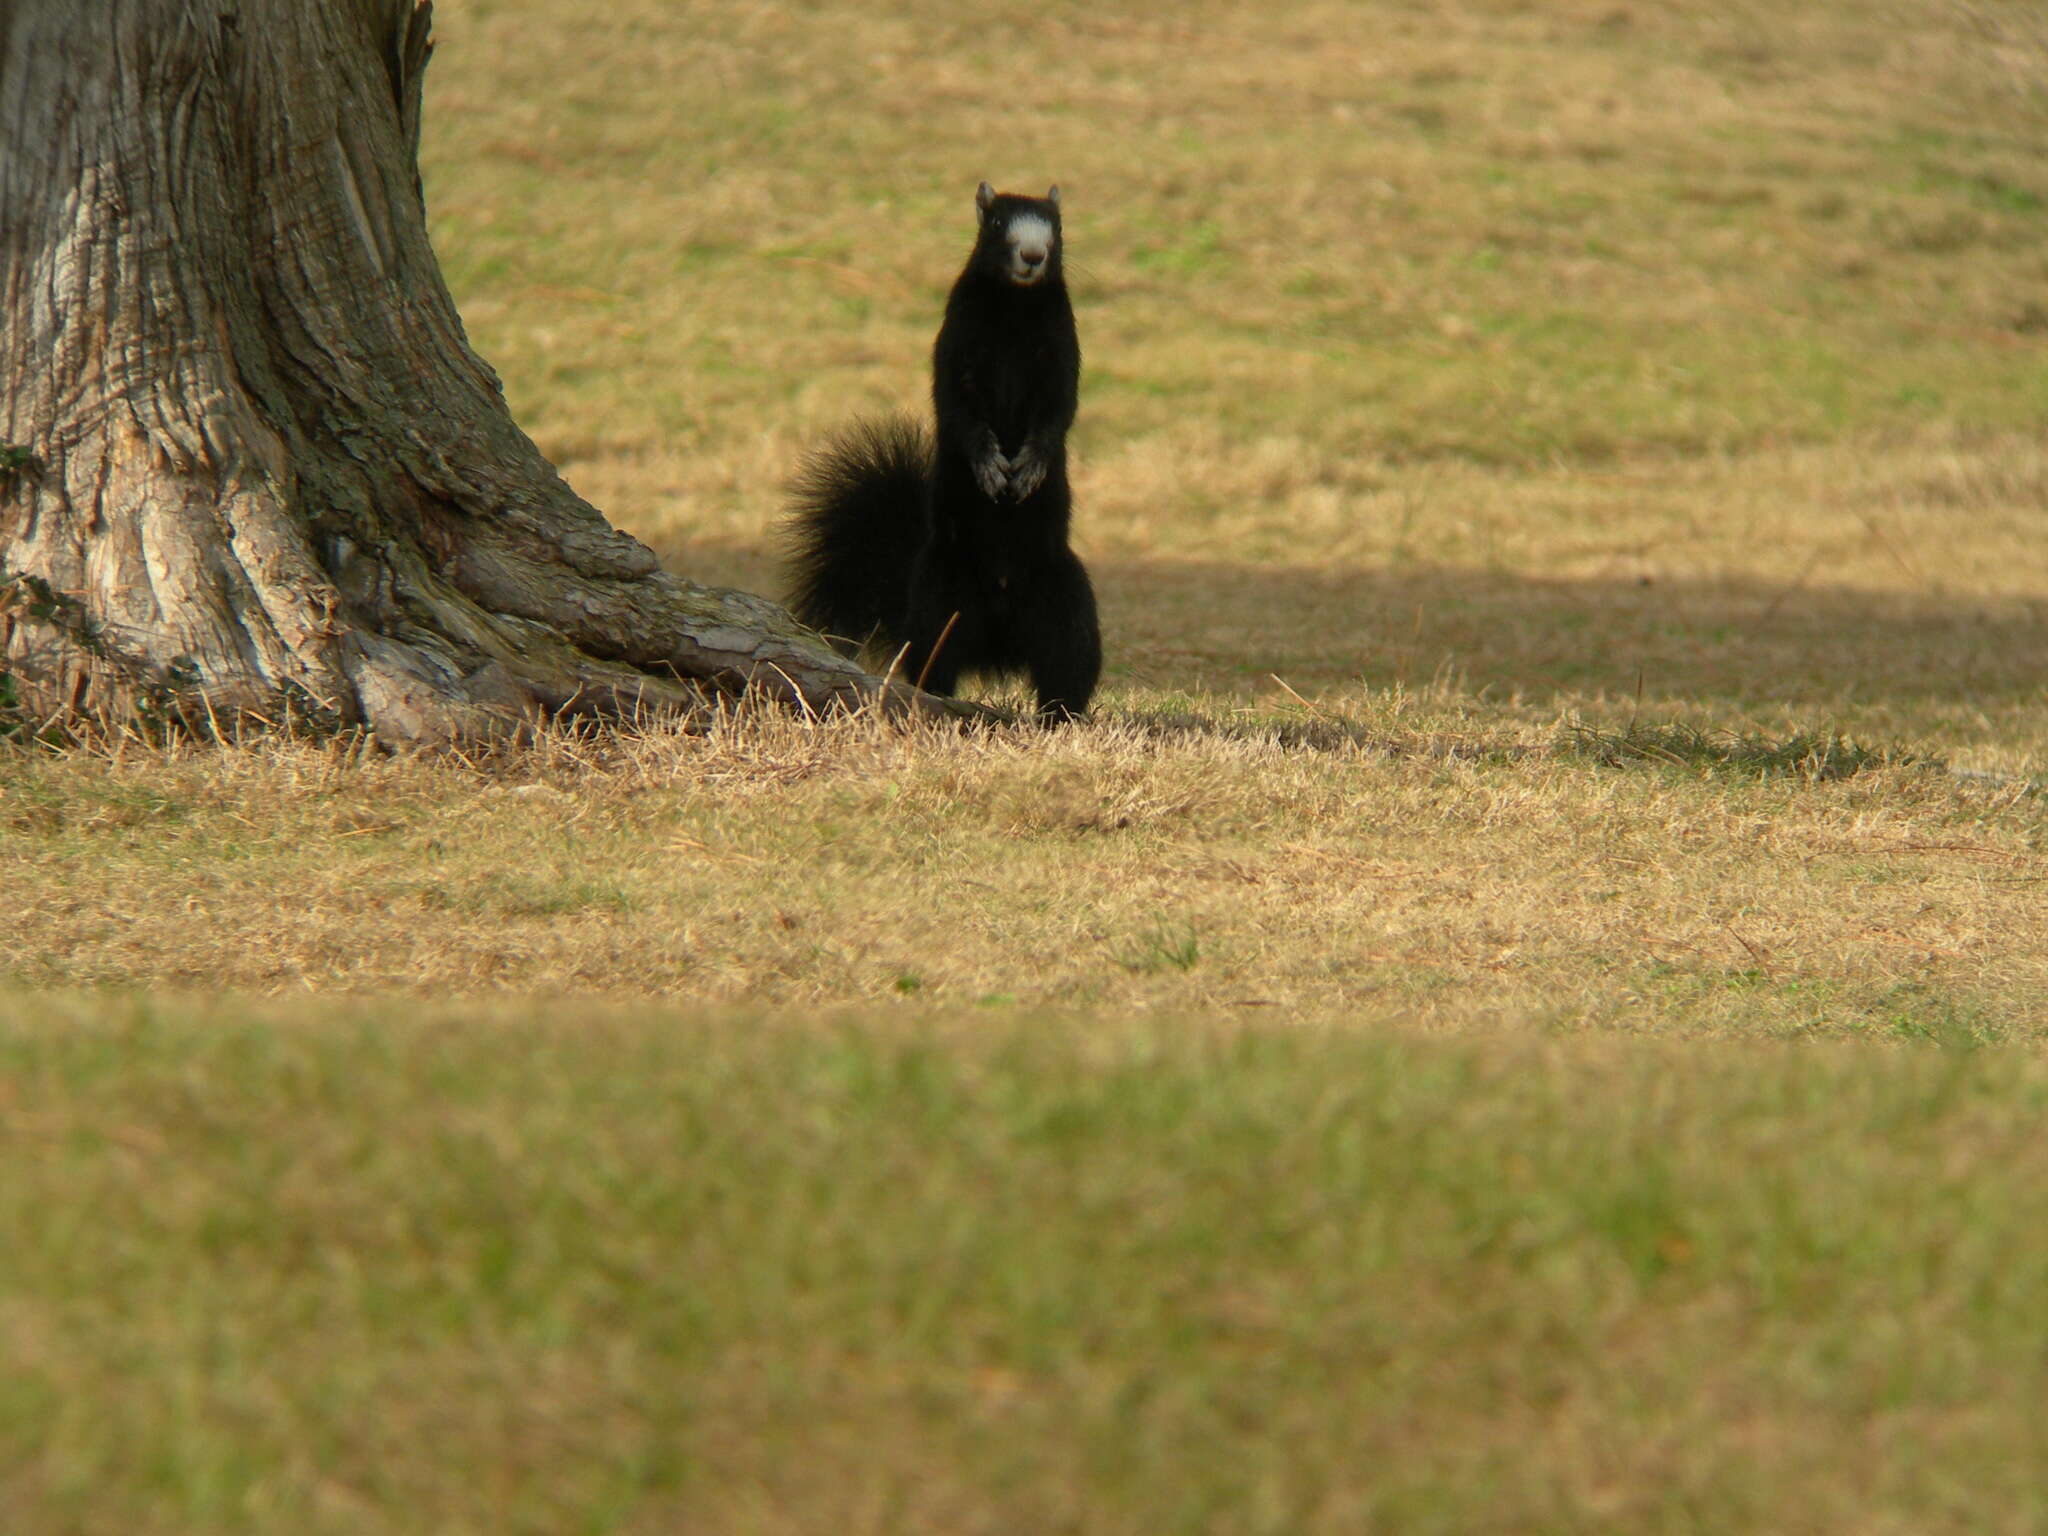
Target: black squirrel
x,y
950,548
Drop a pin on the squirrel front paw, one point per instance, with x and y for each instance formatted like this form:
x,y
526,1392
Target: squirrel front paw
x,y
1027,472
991,471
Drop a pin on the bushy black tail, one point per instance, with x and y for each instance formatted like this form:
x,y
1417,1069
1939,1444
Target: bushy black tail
x,y
855,525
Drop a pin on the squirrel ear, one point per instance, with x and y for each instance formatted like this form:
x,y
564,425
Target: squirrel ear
x,y
1053,196
983,196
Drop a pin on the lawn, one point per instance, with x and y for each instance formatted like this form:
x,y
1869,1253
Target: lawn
x,y
1522,1010
323,1268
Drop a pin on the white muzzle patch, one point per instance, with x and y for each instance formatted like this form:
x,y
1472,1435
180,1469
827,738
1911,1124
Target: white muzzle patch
x,y
1030,241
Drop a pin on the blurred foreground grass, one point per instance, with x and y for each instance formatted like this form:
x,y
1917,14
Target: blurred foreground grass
x,y
362,1270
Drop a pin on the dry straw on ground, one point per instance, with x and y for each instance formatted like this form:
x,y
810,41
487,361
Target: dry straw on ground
x,y
1462,379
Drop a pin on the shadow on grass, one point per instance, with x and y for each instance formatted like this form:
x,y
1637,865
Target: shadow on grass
x,y
1750,646
1506,636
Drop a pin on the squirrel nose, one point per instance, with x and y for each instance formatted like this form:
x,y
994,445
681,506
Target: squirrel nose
x,y
1031,258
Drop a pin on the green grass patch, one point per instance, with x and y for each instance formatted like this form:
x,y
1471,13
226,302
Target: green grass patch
x,y
13,725
1804,754
334,1270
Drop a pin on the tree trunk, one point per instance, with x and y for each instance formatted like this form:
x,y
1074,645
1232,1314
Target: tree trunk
x,y
249,465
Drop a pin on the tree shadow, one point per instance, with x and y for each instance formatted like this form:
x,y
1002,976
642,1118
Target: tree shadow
x,y
1752,647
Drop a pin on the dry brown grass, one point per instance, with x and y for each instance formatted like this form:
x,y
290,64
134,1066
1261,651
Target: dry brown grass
x,y
1457,372
1426,870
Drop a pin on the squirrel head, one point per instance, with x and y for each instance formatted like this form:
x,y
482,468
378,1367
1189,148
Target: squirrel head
x,y
1019,237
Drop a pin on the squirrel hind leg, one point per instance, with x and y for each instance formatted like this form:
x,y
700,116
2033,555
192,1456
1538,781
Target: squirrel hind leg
x,y
1065,642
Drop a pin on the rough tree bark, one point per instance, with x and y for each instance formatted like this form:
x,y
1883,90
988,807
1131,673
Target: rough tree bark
x,y
249,465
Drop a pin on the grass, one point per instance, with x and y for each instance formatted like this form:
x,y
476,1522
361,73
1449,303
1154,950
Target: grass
x,y
1395,863
1747,755
319,1269
1522,1012
1597,356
